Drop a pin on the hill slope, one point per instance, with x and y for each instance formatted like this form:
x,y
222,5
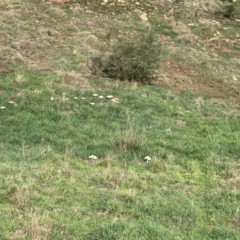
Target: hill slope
x,y
55,113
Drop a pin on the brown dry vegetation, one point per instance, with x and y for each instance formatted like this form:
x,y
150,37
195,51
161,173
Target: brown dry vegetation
x,y
60,39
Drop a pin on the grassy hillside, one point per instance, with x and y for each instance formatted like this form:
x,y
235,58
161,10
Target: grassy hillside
x,y
55,113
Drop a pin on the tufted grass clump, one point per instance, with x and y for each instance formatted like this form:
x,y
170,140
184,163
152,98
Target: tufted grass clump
x,y
129,140
132,58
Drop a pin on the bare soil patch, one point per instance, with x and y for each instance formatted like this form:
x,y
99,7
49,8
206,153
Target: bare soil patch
x,y
4,68
194,81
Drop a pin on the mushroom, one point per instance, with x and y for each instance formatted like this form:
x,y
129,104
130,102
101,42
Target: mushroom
x,y
93,157
109,96
95,95
115,100
147,159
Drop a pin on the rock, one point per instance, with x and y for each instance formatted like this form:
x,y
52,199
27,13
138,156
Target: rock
x,y
144,17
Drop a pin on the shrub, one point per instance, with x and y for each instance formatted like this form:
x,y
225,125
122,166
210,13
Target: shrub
x,y
229,9
133,59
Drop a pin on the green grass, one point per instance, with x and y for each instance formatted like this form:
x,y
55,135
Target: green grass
x,y
51,190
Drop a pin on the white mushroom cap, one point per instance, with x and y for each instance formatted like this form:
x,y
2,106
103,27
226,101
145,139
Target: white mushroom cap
x,y
110,96
115,100
95,95
147,158
93,157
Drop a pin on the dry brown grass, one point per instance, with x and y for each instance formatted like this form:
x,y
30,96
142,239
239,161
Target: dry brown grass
x,y
58,1
38,228
20,196
73,79
36,44
57,11
42,36
11,2
205,5
185,34
208,24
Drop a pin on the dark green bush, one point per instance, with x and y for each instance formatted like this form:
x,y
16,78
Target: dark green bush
x,y
229,9
132,58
